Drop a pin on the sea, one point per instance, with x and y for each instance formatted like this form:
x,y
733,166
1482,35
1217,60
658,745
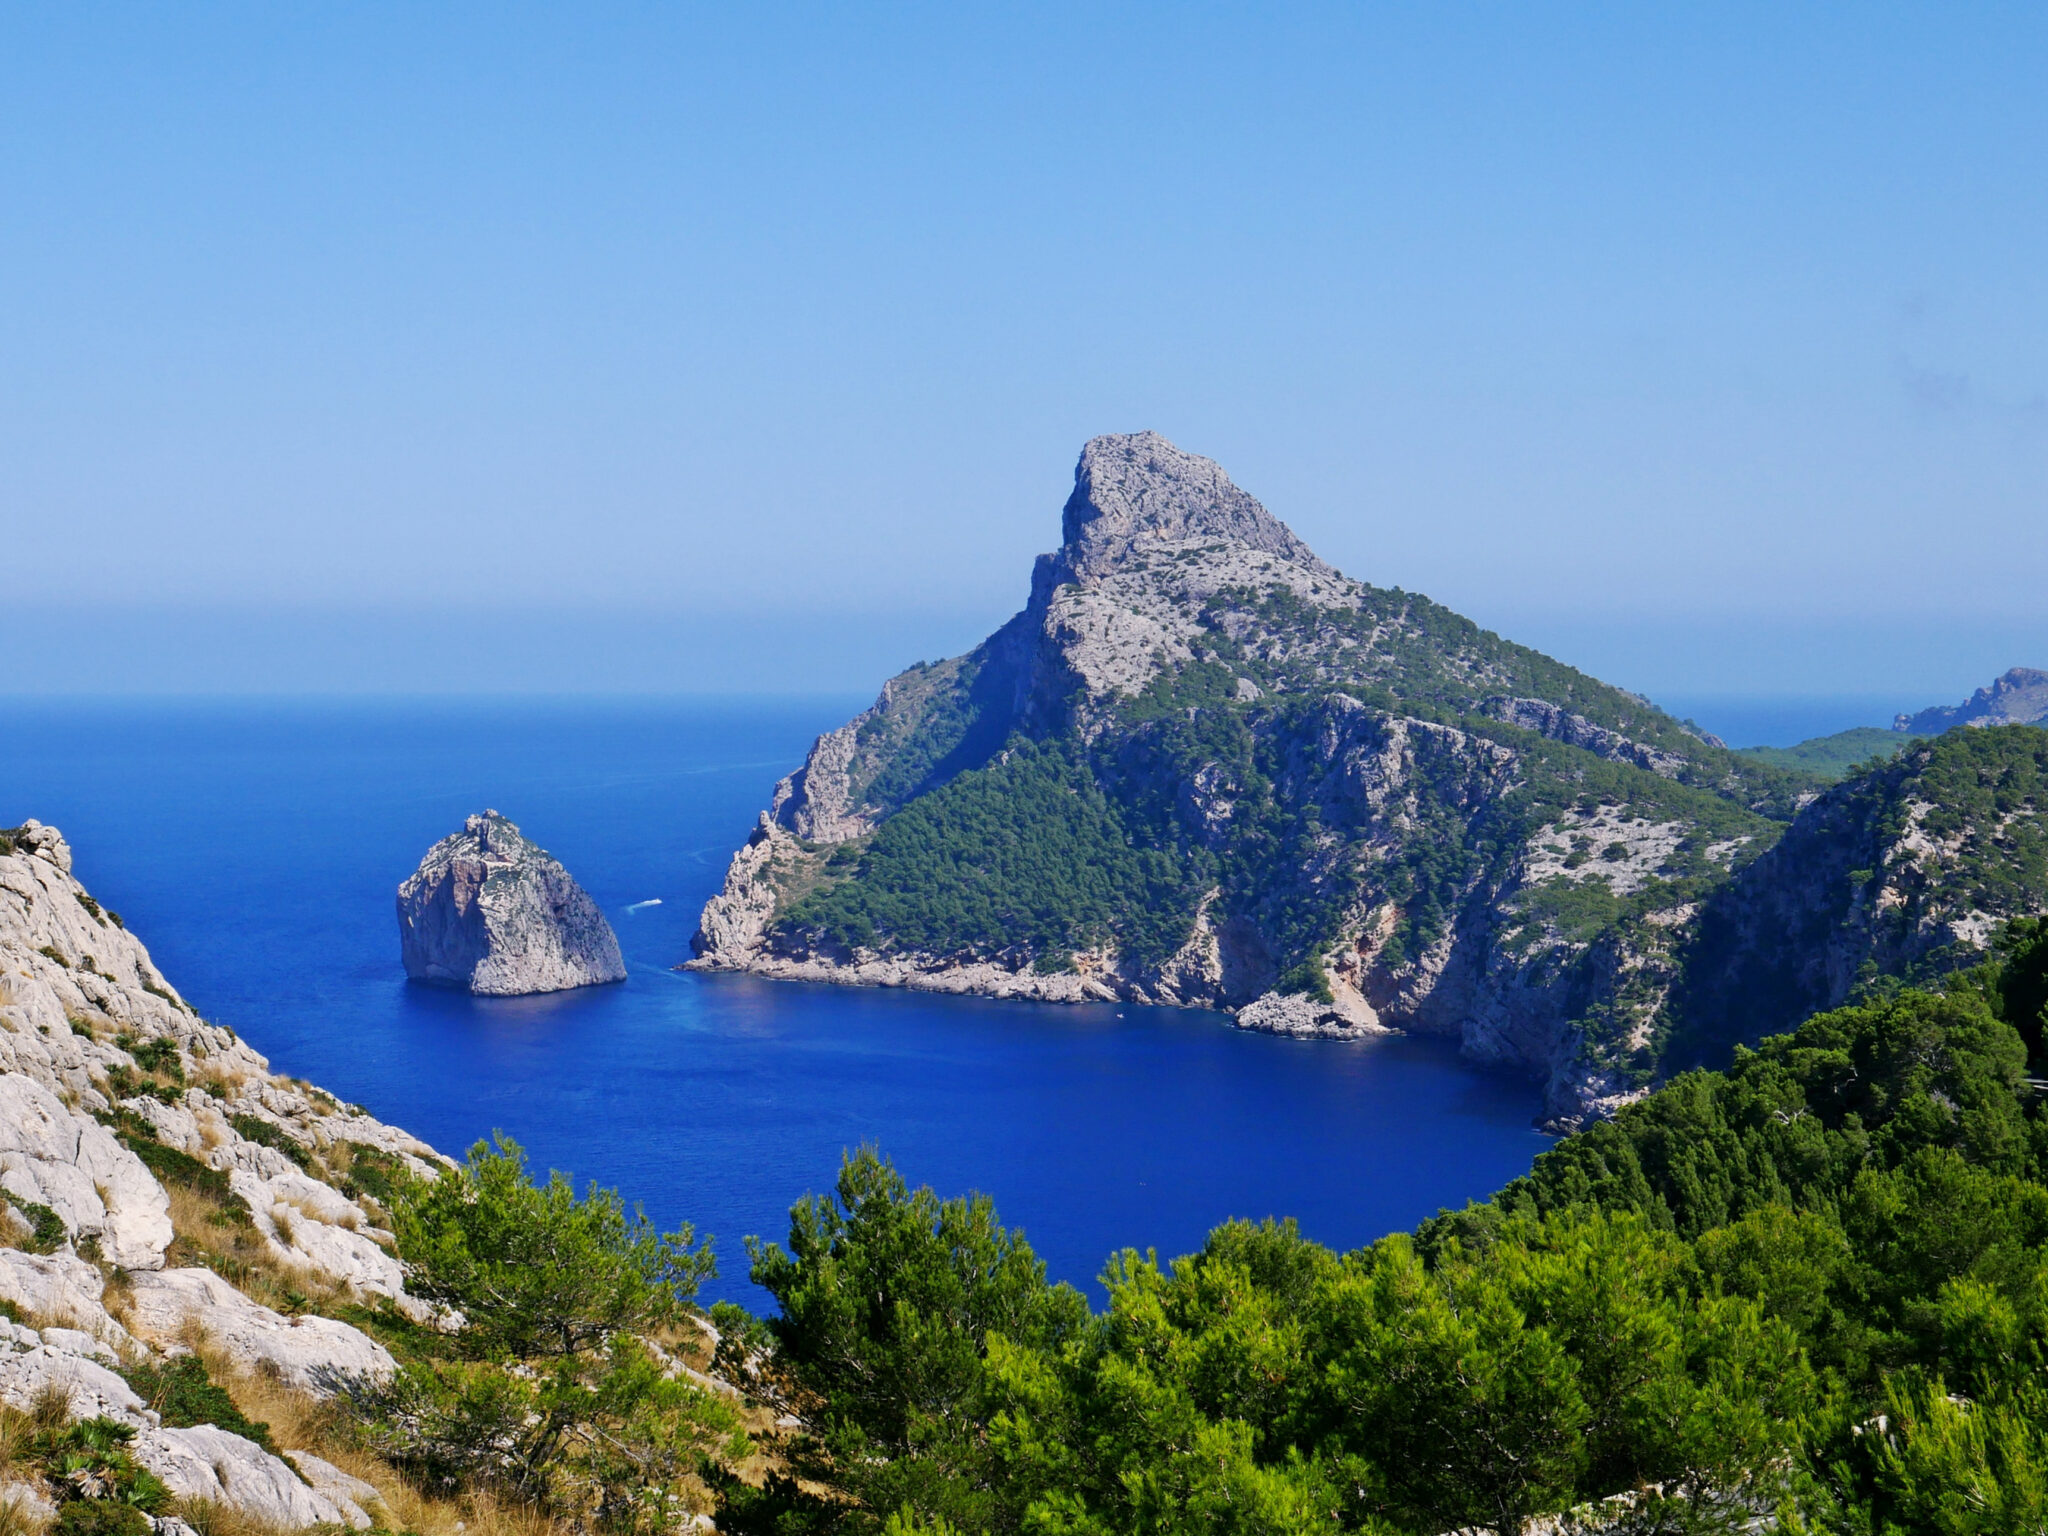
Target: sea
x,y
256,846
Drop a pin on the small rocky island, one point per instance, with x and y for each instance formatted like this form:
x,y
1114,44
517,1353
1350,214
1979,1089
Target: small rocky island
x,y
493,912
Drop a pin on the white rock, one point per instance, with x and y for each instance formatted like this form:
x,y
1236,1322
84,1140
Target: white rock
x,y
29,1500
308,1352
59,1287
93,1390
303,1221
71,1163
212,1464
490,911
74,1342
336,1484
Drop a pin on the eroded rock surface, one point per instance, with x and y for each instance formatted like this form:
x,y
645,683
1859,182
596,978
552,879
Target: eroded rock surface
x,y
490,911
98,1056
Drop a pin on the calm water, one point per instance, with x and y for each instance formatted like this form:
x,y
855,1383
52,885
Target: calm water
x,y
256,847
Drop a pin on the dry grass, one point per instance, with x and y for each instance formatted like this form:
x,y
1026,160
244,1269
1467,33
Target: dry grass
x,y
15,1432
18,1519
220,1080
299,1423
239,1255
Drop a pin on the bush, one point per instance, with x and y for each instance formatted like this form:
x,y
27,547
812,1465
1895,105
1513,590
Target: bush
x,y
557,1401
537,1272
266,1134
46,1227
100,1517
185,1395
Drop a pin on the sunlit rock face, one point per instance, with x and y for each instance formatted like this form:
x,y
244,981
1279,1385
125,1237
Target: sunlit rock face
x,y
489,911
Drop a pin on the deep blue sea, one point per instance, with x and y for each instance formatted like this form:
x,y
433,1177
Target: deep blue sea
x,y
256,848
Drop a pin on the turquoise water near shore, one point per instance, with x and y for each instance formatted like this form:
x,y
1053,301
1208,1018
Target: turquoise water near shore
x,y
255,847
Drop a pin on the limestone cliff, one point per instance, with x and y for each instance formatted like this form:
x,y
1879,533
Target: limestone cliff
x,y
1904,871
1203,767
2020,697
490,911
119,1108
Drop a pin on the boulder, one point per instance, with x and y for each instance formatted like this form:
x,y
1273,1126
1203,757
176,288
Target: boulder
x,y
309,1353
223,1468
490,911
54,1157
59,1288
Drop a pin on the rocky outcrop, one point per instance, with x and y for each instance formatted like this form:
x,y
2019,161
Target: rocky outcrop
x,y
174,1306
489,911
71,1165
100,1059
1907,870
2020,697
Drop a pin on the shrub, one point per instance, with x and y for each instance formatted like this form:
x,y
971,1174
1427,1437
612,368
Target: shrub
x,y
46,1227
49,952
266,1134
185,1395
100,1517
538,1272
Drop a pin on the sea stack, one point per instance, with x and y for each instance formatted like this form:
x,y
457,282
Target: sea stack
x,y
490,911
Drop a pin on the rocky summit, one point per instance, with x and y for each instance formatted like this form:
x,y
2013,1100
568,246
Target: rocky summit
x,y
490,911
1203,767
2020,697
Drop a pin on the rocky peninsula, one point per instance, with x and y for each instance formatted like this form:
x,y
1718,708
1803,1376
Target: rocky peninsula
x,y
490,911
1203,767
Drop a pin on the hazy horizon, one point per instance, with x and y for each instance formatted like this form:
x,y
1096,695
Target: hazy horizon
x,y
626,350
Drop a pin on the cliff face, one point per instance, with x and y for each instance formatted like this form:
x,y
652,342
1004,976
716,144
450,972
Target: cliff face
x,y
140,1144
1904,871
2020,697
490,911
1203,767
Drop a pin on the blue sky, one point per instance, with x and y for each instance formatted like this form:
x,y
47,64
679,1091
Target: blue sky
x,y
657,347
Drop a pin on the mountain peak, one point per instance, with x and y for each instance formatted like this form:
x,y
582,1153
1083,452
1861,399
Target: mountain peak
x,y
1136,487
2019,697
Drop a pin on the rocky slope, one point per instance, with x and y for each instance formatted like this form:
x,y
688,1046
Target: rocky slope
x,y
1903,872
1203,767
493,912
2020,697
145,1155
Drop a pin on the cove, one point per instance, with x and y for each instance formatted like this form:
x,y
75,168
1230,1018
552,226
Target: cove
x,y
255,847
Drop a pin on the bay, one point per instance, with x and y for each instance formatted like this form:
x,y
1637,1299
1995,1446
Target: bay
x,y
256,845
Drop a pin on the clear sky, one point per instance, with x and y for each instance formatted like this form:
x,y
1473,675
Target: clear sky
x,y
661,346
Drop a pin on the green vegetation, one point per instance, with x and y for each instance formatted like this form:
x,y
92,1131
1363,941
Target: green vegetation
x,y
1025,855
100,1489
549,1391
46,1229
1835,757
1806,1294
180,1389
1867,883
267,1133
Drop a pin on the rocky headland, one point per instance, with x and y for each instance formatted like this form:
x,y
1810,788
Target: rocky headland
x,y
490,911
1202,767
2019,697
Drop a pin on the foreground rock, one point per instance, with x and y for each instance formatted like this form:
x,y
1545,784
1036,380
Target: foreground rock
x,y
490,911
314,1354
70,1165
101,1061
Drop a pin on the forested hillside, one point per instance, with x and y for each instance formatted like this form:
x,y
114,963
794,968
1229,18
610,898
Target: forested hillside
x,y
1809,1293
